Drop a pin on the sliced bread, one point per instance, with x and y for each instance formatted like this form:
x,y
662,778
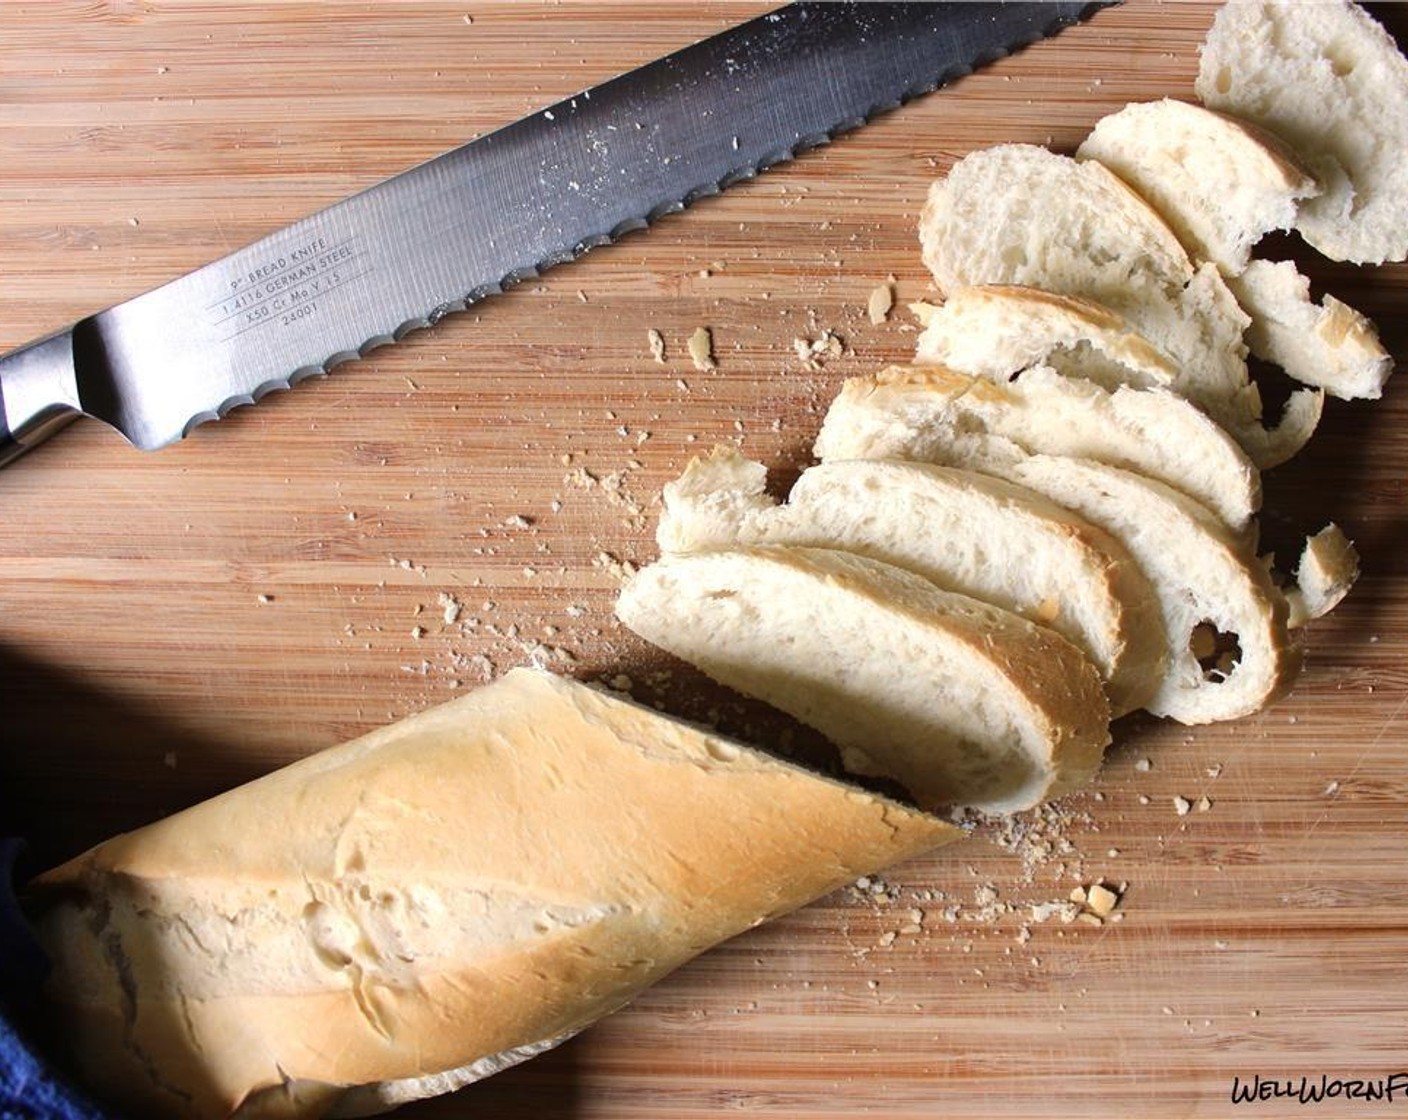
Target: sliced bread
x,y
1328,344
963,531
1328,79
1209,584
962,703
1219,183
1019,214
1328,567
996,330
924,412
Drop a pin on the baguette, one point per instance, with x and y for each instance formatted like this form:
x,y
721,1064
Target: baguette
x,y
1328,79
437,899
963,704
1018,214
963,531
932,414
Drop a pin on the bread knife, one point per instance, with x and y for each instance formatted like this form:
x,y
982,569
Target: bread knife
x,y
500,209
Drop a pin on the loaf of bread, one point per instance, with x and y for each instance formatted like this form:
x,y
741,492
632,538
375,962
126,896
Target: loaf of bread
x,y
1328,79
415,909
934,415
963,531
962,703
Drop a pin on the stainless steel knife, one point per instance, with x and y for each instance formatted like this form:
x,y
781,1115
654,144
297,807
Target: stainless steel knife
x,y
537,192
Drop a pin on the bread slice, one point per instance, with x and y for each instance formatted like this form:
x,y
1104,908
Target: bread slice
x,y
1019,214
1328,79
441,895
1328,344
1219,183
963,531
996,330
926,412
962,703
1328,567
1208,582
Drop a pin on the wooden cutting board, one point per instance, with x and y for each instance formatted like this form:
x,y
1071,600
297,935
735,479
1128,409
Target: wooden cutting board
x,y
174,623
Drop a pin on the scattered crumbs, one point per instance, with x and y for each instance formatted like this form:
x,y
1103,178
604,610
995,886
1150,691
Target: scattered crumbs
x,y
1214,771
614,566
882,298
266,599
701,349
815,352
1143,765
1203,804
450,608
417,632
1182,806
1331,789
581,295
1219,944
1143,799
518,521
656,341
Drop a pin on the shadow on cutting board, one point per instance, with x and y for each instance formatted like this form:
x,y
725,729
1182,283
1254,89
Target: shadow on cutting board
x,y
80,764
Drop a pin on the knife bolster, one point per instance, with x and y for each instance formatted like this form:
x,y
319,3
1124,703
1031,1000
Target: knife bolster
x,y
38,393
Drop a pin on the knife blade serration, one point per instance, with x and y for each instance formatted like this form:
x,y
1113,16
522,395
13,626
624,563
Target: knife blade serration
x,y
540,191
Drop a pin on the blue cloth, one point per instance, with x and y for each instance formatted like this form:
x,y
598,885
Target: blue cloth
x,y
29,1089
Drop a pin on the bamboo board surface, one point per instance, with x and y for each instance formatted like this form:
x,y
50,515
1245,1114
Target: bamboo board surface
x,y
174,623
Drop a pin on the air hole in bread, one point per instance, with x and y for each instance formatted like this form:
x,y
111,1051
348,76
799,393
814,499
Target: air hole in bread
x,y
1216,650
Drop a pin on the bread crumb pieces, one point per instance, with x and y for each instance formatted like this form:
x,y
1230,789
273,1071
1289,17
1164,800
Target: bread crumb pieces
x,y
1143,766
1101,900
619,569
701,349
882,299
266,599
450,608
656,341
1203,804
1182,806
815,352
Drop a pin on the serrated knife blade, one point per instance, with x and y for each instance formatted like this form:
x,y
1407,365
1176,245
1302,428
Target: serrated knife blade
x,y
537,192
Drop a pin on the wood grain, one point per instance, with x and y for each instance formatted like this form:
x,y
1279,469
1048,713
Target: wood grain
x,y
173,623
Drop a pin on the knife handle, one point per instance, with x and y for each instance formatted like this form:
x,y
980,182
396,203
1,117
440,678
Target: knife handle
x,y
38,393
